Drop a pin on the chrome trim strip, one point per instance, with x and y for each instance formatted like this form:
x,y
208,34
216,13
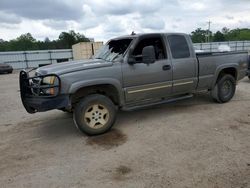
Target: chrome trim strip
x,y
183,83
151,88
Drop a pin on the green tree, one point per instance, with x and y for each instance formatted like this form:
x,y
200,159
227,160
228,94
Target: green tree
x,y
81,38
218,37
225,30
67,39
199,35
46,40
238,34
26,37
23,42
27,42
225,34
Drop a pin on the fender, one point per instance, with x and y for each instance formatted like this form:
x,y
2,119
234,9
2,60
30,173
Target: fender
x,y
221,67
94,82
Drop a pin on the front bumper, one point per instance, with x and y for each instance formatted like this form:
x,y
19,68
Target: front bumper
x,y
36,103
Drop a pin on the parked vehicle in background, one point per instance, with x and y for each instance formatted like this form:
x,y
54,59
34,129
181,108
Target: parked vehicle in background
x,y
128,73
5,68
224,48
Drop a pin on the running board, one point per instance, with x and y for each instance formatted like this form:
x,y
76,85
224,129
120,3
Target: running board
x,y
128,108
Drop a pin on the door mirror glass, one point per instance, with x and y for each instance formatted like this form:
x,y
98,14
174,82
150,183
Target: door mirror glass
x,y
148,55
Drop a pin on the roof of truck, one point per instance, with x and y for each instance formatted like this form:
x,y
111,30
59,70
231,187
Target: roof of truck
x,y
141,34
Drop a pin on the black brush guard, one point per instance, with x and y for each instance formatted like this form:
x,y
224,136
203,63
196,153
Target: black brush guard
x,y
35,102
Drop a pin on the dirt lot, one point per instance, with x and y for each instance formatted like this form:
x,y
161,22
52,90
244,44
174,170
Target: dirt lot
x,y
193,143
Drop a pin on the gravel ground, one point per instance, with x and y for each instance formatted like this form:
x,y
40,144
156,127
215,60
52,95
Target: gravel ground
x,y
192,143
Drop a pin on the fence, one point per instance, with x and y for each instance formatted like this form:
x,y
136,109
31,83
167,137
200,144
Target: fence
x,y
30,59
214,46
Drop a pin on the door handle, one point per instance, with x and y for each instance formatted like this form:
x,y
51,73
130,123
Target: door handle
x,y
166,67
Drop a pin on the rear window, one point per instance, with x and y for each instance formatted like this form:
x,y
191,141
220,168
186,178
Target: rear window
x,y
179,46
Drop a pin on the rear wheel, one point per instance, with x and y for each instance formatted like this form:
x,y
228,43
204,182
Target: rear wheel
x,y
94,114
224,89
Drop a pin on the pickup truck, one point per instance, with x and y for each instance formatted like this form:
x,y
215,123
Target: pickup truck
x,y
128,73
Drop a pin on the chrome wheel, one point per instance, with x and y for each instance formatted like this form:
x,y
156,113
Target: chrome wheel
x,y
96,116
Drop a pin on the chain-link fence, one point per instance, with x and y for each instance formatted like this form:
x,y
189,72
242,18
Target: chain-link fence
x,y
223,46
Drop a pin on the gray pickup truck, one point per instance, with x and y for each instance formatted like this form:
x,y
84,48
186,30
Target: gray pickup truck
x,y
131,72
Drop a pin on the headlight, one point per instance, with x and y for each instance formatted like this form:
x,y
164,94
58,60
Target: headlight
x,y
50,91
45,85
50,80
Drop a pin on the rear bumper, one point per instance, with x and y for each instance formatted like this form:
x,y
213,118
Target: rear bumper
x,y
36,103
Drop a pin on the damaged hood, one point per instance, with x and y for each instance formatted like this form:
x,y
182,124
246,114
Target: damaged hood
x,y
72,66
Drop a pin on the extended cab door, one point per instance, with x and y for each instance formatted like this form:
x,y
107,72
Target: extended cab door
x,y
184,63
147,81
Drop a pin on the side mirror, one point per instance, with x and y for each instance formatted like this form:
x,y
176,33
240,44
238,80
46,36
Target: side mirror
x,y
148,55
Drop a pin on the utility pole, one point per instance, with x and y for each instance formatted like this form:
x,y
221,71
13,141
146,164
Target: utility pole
x,y
208,32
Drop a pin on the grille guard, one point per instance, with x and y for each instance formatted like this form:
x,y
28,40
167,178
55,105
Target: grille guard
x,y
26,88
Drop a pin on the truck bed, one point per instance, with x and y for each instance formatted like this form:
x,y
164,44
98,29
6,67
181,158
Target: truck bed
x,y
210,62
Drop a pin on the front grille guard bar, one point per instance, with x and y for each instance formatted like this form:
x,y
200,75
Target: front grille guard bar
x,y
26,87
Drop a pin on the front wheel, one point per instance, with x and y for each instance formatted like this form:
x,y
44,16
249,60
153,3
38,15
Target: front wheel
x,y
224,89
94,114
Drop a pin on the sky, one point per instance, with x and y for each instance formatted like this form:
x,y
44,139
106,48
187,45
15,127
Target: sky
x,y
104,19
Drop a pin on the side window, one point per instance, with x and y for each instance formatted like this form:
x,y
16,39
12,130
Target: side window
x,y
179,46
154,41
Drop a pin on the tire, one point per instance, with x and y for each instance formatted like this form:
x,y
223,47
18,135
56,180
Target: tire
x,y
224,89
95,114
249,77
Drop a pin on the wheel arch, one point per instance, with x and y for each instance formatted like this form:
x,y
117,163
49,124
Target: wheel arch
x,y
232,70
111,89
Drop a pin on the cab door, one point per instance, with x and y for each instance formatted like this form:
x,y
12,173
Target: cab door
x,y
184,64
147,81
